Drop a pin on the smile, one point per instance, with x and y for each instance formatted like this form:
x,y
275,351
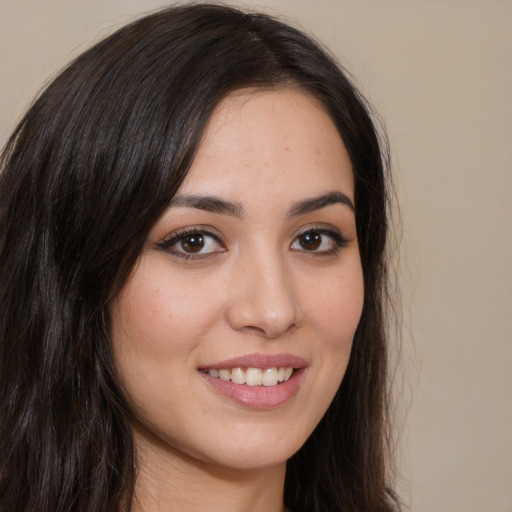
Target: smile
x,y
258,381
253,376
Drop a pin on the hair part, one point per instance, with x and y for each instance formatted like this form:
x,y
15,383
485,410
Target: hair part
x,y
85,175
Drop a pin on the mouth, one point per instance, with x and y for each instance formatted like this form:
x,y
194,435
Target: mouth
x,y
258,381
267,377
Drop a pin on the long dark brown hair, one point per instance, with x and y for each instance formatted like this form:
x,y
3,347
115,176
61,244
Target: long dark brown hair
x,y
85,175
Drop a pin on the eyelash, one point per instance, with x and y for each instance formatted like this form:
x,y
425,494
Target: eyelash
x,y
337,239
180,235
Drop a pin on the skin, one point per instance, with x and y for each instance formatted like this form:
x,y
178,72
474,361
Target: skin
x,y
255,288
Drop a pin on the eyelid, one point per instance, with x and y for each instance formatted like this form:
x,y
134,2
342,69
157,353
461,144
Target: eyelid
x,y
178,234
334,233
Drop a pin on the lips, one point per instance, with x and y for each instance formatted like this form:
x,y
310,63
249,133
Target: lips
x,y
259,381
259,361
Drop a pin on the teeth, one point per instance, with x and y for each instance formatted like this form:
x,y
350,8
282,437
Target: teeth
x,y
225,374
270,377
254,376
237,376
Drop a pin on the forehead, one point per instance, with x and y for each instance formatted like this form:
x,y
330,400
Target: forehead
x,y
279,140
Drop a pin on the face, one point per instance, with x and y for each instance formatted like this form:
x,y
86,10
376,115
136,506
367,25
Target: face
x,y
234,331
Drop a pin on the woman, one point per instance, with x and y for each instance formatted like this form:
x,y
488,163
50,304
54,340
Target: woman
x,y
192,278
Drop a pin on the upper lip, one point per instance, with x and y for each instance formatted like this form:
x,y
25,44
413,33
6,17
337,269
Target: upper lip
x,y
259,361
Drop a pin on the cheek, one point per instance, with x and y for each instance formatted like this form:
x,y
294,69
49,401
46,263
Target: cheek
x,y
336,307
155,308
334,311
157,322
335,315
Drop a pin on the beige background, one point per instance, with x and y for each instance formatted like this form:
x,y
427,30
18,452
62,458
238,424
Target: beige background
x,y
440,74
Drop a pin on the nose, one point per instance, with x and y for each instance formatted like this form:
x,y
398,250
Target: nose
x,y
263,298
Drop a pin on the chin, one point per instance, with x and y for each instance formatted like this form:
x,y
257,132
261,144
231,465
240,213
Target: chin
x,y
242,448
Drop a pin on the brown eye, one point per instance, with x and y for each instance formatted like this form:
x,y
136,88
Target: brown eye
x,y
192,243
318,241
310,241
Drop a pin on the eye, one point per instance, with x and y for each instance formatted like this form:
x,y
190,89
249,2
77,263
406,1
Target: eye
x,y
192,243
318,240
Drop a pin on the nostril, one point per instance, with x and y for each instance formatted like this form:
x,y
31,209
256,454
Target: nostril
x,y
250,329
270,332
263,302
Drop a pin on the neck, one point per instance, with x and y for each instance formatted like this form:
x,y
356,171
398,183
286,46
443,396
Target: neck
x,y
170,480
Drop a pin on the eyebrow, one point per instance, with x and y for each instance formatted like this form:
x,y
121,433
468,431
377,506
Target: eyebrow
x,y
210,204
316,203
236,209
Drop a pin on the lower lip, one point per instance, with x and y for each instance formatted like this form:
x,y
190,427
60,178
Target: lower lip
x,y
257,397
